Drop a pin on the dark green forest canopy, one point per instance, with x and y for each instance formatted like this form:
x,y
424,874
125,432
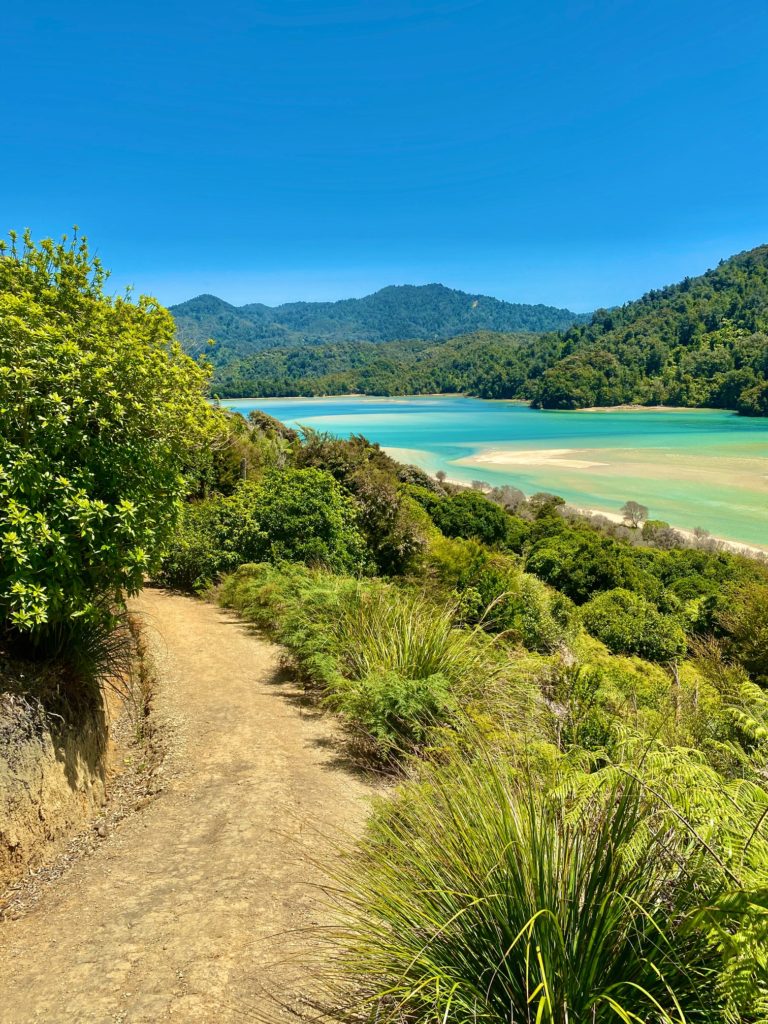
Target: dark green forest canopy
x,y
700,343
426,312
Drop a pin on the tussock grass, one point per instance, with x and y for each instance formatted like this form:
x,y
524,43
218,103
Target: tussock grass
x,y
476,897
383,630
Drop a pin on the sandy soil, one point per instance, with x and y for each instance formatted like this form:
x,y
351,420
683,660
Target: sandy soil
x,y
200,907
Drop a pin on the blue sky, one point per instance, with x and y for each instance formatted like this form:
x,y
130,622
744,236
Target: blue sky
x,y
574,153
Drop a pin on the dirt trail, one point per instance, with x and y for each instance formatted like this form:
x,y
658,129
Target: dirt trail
x,y
193,909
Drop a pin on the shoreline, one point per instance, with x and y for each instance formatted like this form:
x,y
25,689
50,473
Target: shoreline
x,y
630,407
627,407
595,472
737,547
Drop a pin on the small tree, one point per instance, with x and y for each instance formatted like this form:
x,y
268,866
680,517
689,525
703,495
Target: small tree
x,y
508,497
634,513
101,418
441,475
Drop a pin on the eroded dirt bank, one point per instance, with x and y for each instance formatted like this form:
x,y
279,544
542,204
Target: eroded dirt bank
x,y
52,778
197,907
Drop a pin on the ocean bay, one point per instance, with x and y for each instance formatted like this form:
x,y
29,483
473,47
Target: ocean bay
x,y
692,467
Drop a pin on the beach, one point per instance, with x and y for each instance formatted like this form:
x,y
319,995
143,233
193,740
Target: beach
x,y
690,467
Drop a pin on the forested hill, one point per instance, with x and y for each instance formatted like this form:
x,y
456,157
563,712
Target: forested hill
x,y
703,342
427,312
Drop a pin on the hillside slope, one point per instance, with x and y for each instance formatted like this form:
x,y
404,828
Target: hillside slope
x,y
469,363
700,343
425,312
697,343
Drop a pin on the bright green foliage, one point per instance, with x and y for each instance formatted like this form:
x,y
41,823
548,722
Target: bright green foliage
x,y
243,450
724,825
476,897
306,517
296,515
492,591
396,711
740,616
101,415
395,528
628,624
469,514
385,629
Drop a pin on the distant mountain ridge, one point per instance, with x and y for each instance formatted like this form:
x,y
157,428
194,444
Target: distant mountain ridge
x,y
429,312
700,343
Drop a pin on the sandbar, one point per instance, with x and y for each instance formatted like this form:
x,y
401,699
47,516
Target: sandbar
x,y
509,458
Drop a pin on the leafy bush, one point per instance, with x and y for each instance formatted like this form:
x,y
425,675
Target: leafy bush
x,y
475,897
297,515
306,517
397,712
470,514
100,416
214,536
628,624
740,616
495,593
395,528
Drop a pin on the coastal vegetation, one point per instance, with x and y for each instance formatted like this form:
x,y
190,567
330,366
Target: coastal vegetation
x,y
573,712
700,343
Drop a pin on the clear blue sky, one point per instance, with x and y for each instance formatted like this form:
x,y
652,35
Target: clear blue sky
x,y
575,153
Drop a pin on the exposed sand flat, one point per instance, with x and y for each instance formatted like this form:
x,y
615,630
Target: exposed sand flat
x,y
504,457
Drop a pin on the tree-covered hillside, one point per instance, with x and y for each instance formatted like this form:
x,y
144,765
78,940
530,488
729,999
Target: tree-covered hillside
x,y
472,363
702,342
427,312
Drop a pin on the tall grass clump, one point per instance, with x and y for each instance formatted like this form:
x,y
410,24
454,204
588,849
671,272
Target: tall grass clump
x,y
384,629
406,667
476,897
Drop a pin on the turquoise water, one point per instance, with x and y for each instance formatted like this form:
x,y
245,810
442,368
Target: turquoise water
x,y
693,468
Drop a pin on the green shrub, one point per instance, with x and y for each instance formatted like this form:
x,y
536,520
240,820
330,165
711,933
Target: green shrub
x,y
496,594
470,514
101,415
475,897
306,517
740,617
295,515
397,712
628,624
395,526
